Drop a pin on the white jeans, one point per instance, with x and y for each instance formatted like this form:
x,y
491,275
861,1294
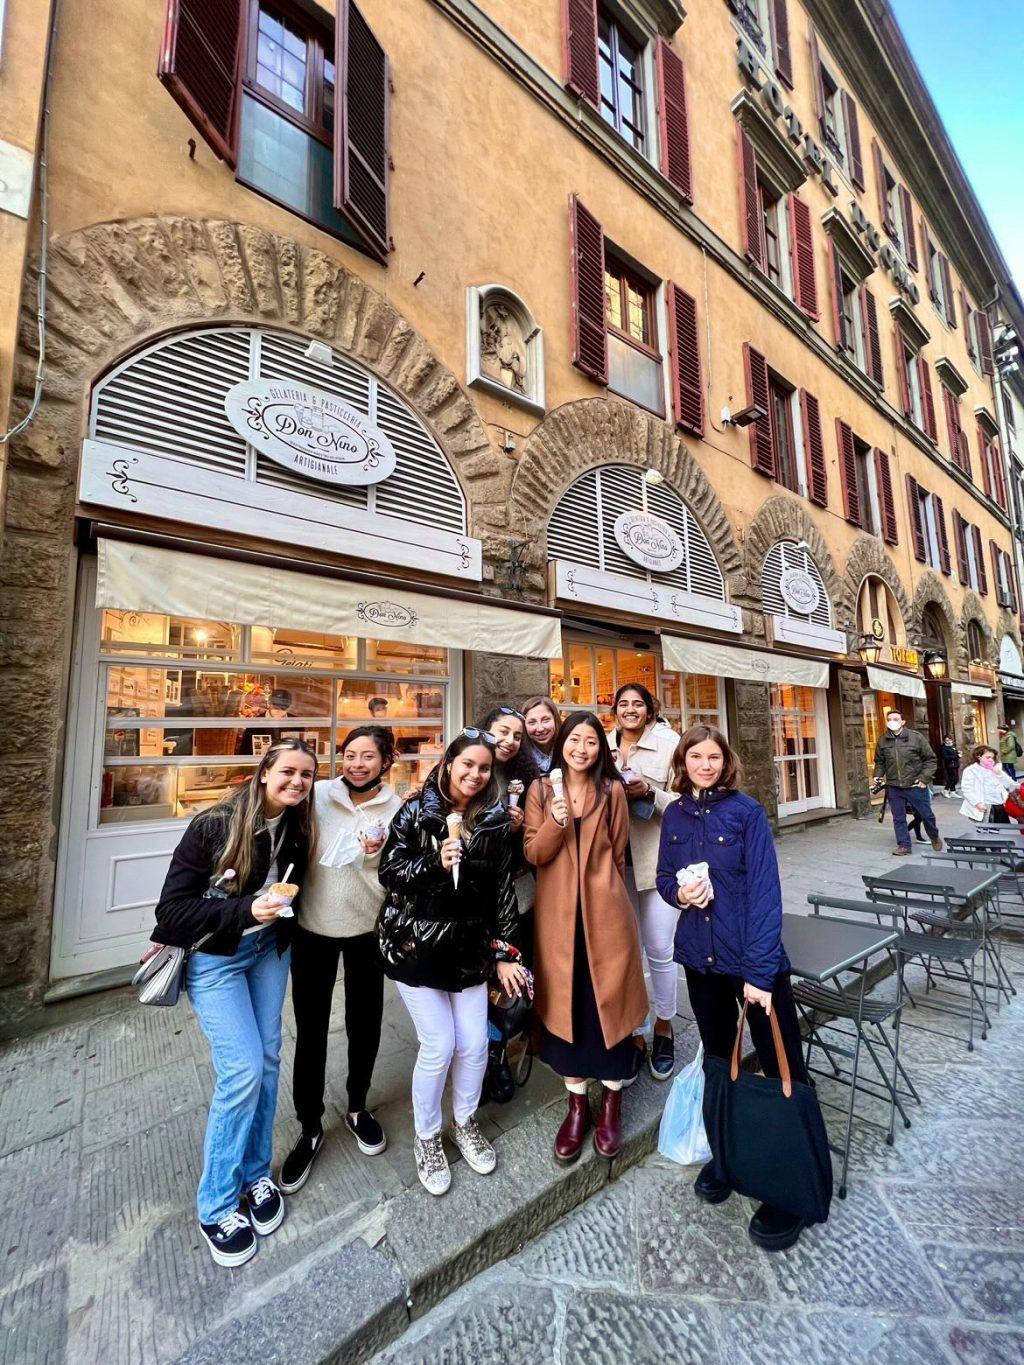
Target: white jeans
x,y
452,1030
658,922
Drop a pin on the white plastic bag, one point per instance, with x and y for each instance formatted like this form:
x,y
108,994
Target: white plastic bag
x,y
681,1136
343,849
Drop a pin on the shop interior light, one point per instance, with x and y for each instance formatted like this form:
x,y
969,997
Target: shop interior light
x,y
200,636
935,663
869,649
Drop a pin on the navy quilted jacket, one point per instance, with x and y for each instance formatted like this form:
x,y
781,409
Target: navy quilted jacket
x,y
739,932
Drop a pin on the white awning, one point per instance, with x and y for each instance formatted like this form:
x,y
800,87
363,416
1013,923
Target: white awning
x,y
884,680
971,690
752,665
146,578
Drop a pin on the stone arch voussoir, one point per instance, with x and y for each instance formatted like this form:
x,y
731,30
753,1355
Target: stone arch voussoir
x,y
973,609
784,518
931,591
868,557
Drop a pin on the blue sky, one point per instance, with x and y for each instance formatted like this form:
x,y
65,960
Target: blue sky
x,y
971,54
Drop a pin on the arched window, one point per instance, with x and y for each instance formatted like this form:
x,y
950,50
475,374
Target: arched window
x,y
1009,657
582,529
876,602
976,647
933,630
784,556
169,400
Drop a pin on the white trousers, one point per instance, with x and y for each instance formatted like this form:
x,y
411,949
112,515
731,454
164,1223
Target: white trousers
x,y
658,922
452,1030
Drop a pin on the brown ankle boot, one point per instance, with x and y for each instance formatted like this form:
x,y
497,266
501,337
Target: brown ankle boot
x,y
608,1133
569,1140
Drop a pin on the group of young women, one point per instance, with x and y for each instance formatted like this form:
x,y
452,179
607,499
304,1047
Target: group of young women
x,y
538,857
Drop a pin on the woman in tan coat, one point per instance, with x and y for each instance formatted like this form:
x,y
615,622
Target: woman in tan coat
x,y
590,992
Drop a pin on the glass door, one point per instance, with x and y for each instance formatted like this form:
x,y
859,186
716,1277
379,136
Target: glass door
x,y
800,747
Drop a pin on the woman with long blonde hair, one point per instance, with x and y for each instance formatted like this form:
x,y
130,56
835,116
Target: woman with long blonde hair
x,y
218,899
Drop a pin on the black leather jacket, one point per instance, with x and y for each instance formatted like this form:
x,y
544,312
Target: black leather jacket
x,y
431,934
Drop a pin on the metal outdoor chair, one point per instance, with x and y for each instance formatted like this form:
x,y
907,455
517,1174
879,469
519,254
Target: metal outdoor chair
x,y
993,850
999,907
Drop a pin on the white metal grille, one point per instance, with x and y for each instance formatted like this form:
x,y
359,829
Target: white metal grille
x,y
170,400
582,529
787,554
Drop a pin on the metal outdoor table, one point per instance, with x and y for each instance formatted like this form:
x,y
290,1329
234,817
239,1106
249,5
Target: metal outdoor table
x,y
820,950
958,883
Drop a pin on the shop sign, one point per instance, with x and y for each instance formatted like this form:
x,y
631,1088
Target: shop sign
x,y
909,658
978,674
390,614
771,92
311,432
799,591
649,541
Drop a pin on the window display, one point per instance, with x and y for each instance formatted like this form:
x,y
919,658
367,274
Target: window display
x,y
595,672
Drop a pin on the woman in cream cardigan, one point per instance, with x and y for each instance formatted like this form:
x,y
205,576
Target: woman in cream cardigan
x,y
985,787
644,747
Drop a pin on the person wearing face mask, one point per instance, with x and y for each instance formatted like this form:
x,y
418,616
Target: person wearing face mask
x,y
905,763
985,787
341,898
542,718
949,756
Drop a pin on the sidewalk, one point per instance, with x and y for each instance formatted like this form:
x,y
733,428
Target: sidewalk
x,y
101,1123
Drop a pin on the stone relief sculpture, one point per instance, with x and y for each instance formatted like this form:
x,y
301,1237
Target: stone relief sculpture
x,y
505,347
502,346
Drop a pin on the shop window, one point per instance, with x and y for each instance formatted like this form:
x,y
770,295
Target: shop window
x,y
634,360
589,676
622,79
798,777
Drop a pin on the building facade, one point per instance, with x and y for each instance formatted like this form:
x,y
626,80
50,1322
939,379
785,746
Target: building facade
x,y
403,358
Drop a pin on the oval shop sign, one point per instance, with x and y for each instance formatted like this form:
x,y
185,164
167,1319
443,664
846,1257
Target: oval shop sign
x,y
649,541
799,591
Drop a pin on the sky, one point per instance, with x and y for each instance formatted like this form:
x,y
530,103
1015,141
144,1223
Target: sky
x,y
971,55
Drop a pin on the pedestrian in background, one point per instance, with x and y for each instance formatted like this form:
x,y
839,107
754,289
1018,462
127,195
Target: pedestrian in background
x,y
949,757
904,761
985,787
1009,749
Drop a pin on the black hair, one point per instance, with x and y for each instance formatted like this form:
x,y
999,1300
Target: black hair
x,y
280,698
524,766
646,696
381,735
603,772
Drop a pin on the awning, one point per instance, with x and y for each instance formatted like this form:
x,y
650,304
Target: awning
x,y
883,680
1012,685
146,578
971,690
752,665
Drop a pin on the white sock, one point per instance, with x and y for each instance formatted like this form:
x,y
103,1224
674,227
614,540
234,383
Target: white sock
x,y
612,1085
576,1087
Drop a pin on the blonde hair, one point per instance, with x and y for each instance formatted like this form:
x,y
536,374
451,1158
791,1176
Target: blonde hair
x,y
246,817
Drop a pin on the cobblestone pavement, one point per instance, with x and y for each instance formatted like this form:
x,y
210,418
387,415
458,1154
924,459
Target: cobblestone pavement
x,y
101,1122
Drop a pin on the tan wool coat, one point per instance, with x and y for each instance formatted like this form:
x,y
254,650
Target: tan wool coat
x,y
596,877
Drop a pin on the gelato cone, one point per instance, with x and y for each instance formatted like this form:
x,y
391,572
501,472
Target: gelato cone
x,y
455,832
515,791
555,778
285,891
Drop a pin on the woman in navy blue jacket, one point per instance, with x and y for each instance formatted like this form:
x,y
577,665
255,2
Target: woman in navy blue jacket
x,y
730,943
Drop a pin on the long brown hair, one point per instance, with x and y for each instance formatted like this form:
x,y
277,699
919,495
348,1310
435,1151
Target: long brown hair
x,y
246,818
732,769
484,800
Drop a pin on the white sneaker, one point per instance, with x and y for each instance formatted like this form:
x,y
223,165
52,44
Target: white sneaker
x,y
477,1151
432,1164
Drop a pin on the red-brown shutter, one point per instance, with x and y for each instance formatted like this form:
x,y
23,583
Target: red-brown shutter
x,y
848,473
762,447
949,302
952,424
928,250
589,334
902,378
940,526
750,200
997,578
931,428
998,482
884,206
814,449
985,350
1018,602
684,353
907,227
960,536
816,82
916,520
835,273
802,250
579,49
199,64
887,502
979,561
853,140
967,312
361,153
986,480
673,120
780,42
872,343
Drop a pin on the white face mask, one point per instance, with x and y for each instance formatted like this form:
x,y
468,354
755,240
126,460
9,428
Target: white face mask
x,y
895,726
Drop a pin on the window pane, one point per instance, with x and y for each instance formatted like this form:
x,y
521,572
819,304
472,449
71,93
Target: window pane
x,y
328,96
305,648
169,637
606,684
639,327
556,680
637,667
281,60
395,656
363,700
613,297
634,375
581,683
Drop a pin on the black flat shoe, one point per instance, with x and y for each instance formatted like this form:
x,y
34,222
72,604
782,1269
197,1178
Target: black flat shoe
x,y
662,1060
773,1229
708,1189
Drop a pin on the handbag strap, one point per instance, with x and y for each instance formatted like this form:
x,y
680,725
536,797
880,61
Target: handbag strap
x,y
780,1051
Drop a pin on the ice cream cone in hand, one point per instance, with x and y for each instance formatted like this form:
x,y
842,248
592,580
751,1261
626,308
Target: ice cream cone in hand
x,y
455,832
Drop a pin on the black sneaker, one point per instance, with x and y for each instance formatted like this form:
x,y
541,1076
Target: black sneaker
x,y
367,1132
299,1162
773,1229
231,1240
662,1060
707,1188
266,1207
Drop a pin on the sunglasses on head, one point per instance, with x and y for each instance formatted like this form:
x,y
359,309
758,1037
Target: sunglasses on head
x,y
511,711
484,736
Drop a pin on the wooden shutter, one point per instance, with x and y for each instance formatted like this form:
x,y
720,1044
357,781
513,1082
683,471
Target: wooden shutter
x,y
872,343
589,334
997,577
948,301
836,280
200,65
952,424
684,353
848,473
762,446
674,122
960,537
1018,601
902,378
907,236
579,49
802,253
995,455
916,520
967,313
884,206
940,526
979,560
986,480
853,140
361,153
929,252
780,43
750,199
985,350
814,449
816,82
887,502
931,428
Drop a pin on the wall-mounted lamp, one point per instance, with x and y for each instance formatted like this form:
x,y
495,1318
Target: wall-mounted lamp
x,y
320,352
869,649
935,665
745,417
653,476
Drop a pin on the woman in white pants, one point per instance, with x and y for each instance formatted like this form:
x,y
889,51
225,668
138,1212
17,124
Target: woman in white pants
x,y
449,922
644,746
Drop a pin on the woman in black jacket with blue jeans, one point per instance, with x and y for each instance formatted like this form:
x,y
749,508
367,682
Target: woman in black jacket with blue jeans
x,y
236,980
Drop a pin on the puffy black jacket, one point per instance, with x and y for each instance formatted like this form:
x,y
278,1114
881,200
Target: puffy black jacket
x,y
184,914
430,933
904,759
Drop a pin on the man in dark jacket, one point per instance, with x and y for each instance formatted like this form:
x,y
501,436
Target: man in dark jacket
x,y
904,761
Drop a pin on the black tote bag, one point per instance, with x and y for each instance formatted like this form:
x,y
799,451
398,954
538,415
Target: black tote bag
x,y
767,1135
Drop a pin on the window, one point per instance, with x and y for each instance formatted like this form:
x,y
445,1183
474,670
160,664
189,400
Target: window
x,y
830,116
765,23
588,676
634,361
771,232
991,465
866,479
848,309
913,384
786,444
939,279
866,493
621,73
787,461
959,450
928,526
969,559
931,531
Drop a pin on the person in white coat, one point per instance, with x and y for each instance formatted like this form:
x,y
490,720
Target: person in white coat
x,y
341,898
643,749
985,787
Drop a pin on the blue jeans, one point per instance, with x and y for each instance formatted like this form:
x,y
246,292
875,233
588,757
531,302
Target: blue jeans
x,y
919,799
238,1003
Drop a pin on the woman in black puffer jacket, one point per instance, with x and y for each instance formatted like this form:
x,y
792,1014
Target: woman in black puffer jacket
x,y
437,940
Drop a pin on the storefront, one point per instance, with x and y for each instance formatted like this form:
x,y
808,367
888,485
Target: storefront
x,y
892,681
1011,682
